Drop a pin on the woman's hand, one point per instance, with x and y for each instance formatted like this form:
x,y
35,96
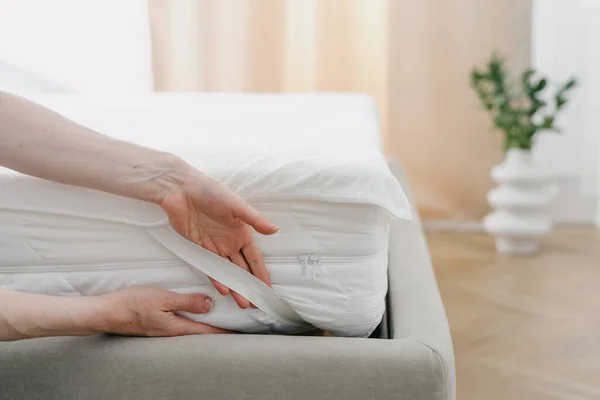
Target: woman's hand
x,y
148,311
200,208
209,214
135,311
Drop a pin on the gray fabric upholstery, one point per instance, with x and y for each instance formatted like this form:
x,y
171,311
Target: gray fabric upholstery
x,y
415,308
415,363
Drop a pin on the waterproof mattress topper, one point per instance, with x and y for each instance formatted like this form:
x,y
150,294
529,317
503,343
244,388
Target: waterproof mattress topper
x,y
327,264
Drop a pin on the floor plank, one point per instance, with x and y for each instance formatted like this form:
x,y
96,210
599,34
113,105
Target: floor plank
x,y
523,327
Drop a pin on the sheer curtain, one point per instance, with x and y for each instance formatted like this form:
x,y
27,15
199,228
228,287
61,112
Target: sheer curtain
x,y
438,129
413,58
271,46
72,45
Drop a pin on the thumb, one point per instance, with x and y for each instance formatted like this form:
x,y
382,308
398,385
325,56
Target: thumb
x,y
193,303
248,214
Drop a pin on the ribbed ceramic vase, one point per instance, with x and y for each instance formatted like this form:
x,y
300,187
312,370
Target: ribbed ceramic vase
x,y
520,204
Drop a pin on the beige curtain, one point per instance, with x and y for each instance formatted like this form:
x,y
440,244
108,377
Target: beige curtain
x,y
412,57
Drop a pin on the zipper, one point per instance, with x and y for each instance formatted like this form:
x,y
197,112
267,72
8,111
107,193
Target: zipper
x,y
311,265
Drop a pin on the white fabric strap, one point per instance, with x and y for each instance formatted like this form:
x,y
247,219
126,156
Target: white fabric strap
x,y
229,274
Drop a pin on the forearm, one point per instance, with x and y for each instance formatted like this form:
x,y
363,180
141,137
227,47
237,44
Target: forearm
x,y
25,315
39,142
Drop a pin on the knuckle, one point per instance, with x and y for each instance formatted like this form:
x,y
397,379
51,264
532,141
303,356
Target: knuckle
x,y
234,219
171,301
232,215
254,260
223,251
196,302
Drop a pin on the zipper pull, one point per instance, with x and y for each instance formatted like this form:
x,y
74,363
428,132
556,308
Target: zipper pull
x,y
316,267
308,260
304,259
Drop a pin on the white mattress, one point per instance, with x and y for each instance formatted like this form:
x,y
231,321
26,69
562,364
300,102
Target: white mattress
x,y
311,163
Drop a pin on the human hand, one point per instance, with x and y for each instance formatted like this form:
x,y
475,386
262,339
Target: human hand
x,y
209,214
148,311
199,208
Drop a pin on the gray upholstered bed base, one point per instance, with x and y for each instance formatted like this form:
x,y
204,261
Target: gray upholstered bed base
x,y
415,361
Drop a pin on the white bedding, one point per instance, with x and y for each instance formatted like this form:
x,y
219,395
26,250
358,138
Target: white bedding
x,y
311,163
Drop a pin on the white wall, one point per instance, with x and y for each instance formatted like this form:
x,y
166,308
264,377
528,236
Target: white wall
x,y
566,41
87,46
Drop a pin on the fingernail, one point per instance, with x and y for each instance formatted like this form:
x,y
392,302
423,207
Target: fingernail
x,y
208,304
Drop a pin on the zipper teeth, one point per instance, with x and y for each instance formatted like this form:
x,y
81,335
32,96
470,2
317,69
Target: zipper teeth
x,y
327,259
168,264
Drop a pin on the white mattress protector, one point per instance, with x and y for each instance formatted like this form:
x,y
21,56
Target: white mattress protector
x,y
327,186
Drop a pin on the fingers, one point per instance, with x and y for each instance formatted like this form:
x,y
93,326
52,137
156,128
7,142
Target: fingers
x,y
222,289
239,260
253,256
248,214
193,303
241,301
184,326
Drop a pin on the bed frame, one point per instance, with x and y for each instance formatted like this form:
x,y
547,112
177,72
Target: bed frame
x,y
409,357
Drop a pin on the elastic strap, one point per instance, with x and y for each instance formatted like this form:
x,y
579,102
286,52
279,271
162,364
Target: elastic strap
x,y
229,274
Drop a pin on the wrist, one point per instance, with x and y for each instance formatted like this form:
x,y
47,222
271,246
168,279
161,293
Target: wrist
x,y
165,174
134,171
80,316
98,314
173,173
112,313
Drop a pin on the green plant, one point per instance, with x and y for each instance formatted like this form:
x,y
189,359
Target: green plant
x,y
520,111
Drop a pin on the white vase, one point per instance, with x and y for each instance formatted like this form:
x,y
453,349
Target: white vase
x,y
520,201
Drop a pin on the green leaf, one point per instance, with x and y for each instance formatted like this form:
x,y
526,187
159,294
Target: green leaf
x,y
506,120
527,75
560,102
525,142
476,77
548,123
476,74
496,70
536,105
571,84
540,86
529,130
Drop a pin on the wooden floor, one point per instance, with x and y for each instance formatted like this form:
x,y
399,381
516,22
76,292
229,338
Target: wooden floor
x,y
523,328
